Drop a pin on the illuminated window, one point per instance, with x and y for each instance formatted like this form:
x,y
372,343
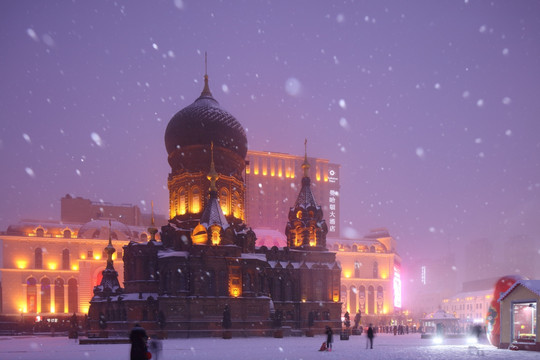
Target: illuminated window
x,y
182,200
73,296
524,322
67,234
45,295
199,235
224,200
38,258
59,295
31,295
299,214
195,200
216,238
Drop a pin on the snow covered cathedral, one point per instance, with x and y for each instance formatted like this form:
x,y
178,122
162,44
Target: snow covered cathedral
x,y
206,266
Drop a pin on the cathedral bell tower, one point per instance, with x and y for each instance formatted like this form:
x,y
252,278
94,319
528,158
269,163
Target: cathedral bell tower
x,y
306,228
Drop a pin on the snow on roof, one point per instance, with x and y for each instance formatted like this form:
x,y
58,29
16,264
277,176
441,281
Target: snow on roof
x,y
531,285
261,257
170,253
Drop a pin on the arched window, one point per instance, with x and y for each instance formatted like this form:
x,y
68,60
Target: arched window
x,y
356,269
352,299
288,291
222,283
375,270
73,302
380,300
344,298
67,234
195,200
45,295
372,248
31,295
59,295
224,200
65,259
319,290
362,298
211,283
237,206
371,300
38,258
40,232
181,209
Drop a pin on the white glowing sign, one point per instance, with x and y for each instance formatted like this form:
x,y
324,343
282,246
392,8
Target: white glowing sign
x,y
333,200
397,288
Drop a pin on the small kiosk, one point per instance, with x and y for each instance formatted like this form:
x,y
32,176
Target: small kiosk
x,y
519,316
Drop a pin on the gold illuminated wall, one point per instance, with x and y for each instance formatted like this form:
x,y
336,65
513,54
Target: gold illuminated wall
x,y
366,265
188,194
86,262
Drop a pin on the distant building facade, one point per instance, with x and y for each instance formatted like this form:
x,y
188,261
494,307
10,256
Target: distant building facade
x,y
272,186
80,210
370,277
50,269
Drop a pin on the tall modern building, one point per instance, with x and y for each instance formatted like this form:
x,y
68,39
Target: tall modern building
x,y
272,186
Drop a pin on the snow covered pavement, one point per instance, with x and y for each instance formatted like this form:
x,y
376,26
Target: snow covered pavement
x,y
386,346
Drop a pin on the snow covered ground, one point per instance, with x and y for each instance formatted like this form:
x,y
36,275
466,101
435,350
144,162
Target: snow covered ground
x,y
386,346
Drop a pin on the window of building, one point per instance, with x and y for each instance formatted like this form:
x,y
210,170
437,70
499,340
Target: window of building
x,y
90,254
371,300
380,300
524,322
352,296
45,295
65,259
224,201
182,208
67,234
195,200
31,295
356,269
40,232
59,295
375,270
72,296
38,258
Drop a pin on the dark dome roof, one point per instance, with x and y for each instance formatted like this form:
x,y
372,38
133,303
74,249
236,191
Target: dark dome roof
x,y
204,122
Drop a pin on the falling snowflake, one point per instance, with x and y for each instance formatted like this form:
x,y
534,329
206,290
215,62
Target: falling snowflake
x,y
506,100
342,104
293,86
420,153
225,88
97,139
30,172
26,137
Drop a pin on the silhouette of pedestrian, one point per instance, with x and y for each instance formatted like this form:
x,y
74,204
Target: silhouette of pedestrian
x,y
370,336
138,339
329,338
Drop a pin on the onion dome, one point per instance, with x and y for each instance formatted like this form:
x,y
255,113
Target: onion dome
x,y
195,127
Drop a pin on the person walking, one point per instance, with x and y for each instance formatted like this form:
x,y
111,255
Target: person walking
x,y
138,338
370,336
329,338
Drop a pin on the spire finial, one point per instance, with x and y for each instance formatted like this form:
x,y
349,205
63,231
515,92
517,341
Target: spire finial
x,y
206,91
152,218
110,230
213,176
305,165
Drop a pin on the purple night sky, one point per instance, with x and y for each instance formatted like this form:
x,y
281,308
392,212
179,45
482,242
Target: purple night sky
x,y
431,107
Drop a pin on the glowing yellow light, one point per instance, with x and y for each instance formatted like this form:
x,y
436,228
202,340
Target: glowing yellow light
x,y
114,256
97,256
74,267
347,274
195,207
247,169
318,177
51,266
303,300
52,308
384,276
21,264
235,292
264,172
272,173
83,256
84,309
256,171
280,173
336,298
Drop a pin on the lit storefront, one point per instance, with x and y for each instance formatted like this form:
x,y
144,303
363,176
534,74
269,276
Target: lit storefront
x,y
519,316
